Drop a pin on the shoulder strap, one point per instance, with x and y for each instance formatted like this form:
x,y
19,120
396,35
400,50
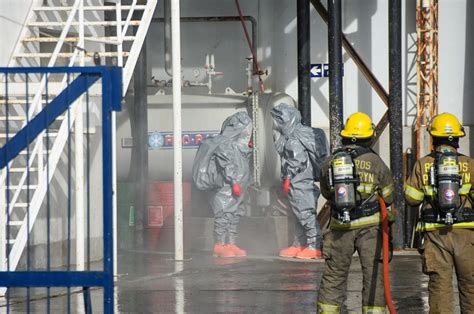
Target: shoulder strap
x,y
360,150
433,153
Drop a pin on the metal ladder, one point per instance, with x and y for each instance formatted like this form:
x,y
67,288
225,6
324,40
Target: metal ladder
x,y
58,33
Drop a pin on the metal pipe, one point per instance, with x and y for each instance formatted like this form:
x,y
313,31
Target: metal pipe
x,y
120,34
109,16
79,158
335,73
363,68
167,35
177,132
3,230
395,117
140,144
203,19
304,60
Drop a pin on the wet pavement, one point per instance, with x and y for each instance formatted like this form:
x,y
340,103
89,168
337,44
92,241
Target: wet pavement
x,y
151,282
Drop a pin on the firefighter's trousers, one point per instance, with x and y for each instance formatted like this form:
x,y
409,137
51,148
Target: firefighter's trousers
x,y
338,248
446,249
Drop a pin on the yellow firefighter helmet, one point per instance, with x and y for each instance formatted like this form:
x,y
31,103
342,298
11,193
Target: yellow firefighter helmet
x,y
358,125
446,125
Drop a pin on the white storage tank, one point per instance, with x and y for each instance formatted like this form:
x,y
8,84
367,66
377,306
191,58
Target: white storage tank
x,y
202,116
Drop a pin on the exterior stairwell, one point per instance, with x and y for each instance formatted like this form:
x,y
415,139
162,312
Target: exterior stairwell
x,y
57,33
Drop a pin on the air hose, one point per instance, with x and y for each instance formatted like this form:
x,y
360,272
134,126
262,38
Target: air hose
x,y
385,239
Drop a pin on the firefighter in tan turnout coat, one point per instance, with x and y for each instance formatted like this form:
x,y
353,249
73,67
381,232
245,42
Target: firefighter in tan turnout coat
x,y
352,180
443,183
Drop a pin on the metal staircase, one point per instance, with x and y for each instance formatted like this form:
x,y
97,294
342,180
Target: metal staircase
x,y
58,33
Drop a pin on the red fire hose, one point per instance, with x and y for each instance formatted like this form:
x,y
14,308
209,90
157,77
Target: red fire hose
x,y
386,274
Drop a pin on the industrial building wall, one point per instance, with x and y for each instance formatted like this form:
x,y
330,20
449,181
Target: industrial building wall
x,y
224,39
364,23
12,16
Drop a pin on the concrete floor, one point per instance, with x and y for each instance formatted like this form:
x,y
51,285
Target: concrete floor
x,y
256,284
150,282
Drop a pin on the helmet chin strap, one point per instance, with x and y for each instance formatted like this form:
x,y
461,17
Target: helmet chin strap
x,y
449,140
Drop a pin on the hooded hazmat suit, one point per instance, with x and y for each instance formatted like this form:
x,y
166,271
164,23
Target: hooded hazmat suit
x,y
231,158
297,146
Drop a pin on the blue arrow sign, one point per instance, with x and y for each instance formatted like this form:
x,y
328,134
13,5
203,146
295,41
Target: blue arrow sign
x,y
316,70
321,70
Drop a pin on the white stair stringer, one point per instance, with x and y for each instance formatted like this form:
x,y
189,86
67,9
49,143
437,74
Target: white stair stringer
x,y
138,43
78,34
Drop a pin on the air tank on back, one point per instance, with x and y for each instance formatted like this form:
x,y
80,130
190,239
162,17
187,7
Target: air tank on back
x,y
202,116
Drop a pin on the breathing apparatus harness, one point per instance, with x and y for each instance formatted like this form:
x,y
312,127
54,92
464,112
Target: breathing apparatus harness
x,y
445,180
343,179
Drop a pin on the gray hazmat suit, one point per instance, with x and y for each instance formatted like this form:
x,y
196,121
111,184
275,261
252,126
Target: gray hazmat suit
x,y
302,149
232,158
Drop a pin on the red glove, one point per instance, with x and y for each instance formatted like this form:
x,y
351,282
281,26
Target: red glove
x,y
286,185
236,189
251,143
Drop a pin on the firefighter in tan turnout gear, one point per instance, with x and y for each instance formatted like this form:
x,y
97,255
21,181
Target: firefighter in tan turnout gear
x,y
443,183
352,180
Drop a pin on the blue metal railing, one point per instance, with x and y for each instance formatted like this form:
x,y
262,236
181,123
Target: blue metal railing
x,y
111,94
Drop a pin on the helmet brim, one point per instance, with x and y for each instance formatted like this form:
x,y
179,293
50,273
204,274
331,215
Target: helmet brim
x,y
444,134
347,134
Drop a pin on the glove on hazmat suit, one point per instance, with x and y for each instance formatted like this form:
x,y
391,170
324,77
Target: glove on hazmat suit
x,y
296,144
233,176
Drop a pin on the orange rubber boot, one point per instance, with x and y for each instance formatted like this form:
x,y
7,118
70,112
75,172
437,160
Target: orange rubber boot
x,y
223,250
309,253
237,251
291,251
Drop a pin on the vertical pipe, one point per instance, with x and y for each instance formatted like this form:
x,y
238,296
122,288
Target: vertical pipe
x,y
107,192
395,117
167,36
139,123
140,140
3,229
335,72
118,17
304,60
178,163
79,157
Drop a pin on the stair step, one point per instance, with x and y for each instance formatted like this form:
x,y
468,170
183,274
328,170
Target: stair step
x,y
86,23
73,39
24,187
23,152
15,222
22,101
23,118
22,169
89,8
4,135
20,205
17,89
69,54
